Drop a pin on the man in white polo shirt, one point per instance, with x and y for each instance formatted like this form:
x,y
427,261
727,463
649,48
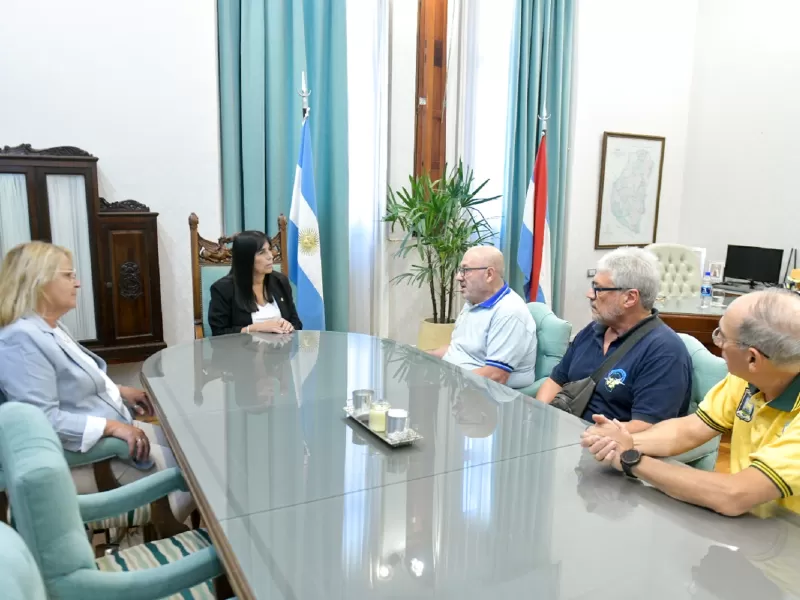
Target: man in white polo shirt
x,y
495,334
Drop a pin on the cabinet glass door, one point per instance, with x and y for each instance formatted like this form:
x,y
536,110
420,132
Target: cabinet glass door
x,y
15,225
69,227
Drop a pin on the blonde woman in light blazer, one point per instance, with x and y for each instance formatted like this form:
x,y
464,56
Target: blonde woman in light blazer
x,y
41,364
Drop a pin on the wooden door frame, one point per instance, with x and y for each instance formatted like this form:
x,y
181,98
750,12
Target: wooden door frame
x,y
431,84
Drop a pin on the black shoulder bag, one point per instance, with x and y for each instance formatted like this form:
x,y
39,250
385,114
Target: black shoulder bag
x,y
575,395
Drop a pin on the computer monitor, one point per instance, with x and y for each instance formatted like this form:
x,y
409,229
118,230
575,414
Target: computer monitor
x,y
749,263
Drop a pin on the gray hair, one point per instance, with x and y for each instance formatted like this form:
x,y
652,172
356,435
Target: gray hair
x,y
634,269
772,326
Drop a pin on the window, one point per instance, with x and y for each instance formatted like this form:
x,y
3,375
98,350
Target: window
x,y
488,48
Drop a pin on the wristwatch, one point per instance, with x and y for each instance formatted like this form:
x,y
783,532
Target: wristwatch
x,y
628,460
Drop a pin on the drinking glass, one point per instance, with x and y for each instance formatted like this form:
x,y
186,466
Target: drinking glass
x,y
718,298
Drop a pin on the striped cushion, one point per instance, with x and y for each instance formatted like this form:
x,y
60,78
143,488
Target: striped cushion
x,y
162,552
134,518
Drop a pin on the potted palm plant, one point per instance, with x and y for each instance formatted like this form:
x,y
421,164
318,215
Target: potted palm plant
x,y
442,220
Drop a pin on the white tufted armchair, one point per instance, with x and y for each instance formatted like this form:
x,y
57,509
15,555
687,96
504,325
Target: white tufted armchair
x,y
681,274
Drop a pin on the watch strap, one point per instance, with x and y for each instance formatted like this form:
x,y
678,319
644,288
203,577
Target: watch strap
x,y
627,467
627,470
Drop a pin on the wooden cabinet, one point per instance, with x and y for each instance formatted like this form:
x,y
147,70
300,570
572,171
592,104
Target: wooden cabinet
x,y
52,195
698,326
131,283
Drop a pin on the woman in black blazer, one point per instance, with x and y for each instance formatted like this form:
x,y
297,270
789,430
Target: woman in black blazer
x,y
252,297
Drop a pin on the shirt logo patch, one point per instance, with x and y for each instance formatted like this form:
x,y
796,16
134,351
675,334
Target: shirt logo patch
x,y
746,407
614,378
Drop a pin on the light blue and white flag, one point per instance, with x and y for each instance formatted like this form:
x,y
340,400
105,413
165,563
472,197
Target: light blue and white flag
x,y
304,360
305,263
305,351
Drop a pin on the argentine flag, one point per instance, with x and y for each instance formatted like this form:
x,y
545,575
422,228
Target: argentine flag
x,y
305,351
305,263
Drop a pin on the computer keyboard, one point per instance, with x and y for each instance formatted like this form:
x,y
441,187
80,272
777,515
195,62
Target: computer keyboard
x,y
737,288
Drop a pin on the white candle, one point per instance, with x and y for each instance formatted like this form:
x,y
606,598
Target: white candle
x,y
377,416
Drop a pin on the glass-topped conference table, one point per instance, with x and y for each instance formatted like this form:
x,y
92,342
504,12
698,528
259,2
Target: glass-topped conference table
x,y
496,501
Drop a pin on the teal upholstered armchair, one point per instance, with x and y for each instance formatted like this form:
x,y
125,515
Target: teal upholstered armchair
x,y
552,339
49,516
707,371
18,571
212,260
156,519
99,456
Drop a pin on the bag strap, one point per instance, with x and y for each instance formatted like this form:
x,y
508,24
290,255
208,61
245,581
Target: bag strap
x,y
617,354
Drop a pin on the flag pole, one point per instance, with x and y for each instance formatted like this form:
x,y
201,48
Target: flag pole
x,y
304,93
544,116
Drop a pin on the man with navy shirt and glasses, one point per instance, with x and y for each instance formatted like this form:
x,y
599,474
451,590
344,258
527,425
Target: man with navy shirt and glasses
x,y
653,380
495,334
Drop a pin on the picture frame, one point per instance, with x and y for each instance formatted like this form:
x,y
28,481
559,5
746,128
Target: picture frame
x,y
631,168
717,270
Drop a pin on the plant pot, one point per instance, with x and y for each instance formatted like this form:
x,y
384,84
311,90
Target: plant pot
x,y
434,335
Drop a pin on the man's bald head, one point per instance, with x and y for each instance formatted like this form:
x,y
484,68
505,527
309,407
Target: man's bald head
x,y
488,256
770,322
481,273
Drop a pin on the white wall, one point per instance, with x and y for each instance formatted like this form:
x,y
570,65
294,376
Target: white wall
x,y
632,73
135,84
743,147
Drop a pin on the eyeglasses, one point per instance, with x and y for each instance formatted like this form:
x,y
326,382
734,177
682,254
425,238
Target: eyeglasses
x,y
71,274
596,288
719,340
463,270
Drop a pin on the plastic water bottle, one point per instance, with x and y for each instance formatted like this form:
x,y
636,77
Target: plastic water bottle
x,y
705,291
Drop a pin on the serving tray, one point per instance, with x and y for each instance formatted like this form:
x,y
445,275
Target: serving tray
x,y
400,439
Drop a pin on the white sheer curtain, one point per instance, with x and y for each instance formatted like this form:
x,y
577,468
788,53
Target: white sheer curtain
x,y
364,371
368,95
476,485
69,228
14,224
478,79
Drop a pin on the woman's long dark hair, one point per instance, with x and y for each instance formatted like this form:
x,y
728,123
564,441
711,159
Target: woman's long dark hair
x,y
243,255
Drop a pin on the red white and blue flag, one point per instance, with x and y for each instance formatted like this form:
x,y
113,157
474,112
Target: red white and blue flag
x,y
533,256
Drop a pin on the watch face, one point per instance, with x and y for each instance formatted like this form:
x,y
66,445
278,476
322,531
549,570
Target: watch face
x,y
631,456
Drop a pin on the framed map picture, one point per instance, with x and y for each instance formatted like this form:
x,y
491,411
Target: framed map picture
x,y
630,187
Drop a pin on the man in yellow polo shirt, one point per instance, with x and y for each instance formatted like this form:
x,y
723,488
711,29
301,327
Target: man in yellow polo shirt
x,y
759,401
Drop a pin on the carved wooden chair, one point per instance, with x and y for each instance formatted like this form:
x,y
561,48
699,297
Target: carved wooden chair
x,y
212,261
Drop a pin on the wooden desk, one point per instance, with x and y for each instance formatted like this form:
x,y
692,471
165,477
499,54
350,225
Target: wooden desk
x,y
684,315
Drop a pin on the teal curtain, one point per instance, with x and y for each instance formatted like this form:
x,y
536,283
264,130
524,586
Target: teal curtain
x,y
541,69
264,45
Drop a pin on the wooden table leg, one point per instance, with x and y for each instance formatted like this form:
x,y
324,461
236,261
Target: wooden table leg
x,y
222,587
3,507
